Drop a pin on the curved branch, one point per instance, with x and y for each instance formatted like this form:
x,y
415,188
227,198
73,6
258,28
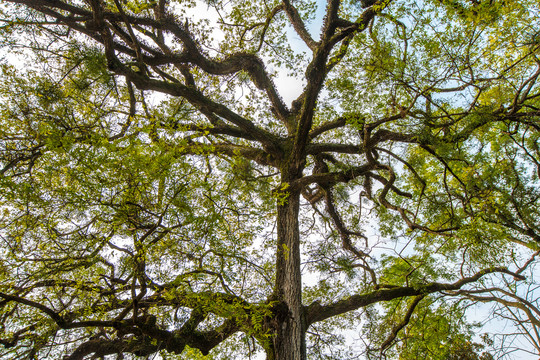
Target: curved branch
x,y
317,312
298,25
339,122
219,129
103,347
60,321
144,342
230,150
332,177
144,330
402,324
250,63
268,140
345,235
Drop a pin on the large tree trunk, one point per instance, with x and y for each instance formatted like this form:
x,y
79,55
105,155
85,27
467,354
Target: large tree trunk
x,y
289,341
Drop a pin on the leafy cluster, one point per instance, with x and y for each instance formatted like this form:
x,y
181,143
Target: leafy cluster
x,y
161,192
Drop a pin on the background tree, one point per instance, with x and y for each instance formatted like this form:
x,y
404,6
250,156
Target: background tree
x,y
160,196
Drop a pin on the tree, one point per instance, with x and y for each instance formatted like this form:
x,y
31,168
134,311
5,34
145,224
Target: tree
x,y
160,196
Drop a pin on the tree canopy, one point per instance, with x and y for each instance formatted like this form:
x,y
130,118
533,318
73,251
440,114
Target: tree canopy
x,y
160,197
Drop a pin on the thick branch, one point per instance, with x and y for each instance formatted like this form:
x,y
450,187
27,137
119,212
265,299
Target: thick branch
x,y
317,148
298,25
48,311
339,122
250,63
150,339
317,312
228,149
332,177
316,73
220,129
103,347
268,140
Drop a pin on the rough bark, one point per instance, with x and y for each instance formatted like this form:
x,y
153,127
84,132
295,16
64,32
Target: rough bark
x,y
289,341
237,135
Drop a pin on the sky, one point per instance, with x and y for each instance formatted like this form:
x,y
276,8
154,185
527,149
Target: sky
x,y
291,88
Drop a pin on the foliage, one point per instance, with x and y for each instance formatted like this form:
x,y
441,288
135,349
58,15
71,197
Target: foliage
x,y
435,331
161,192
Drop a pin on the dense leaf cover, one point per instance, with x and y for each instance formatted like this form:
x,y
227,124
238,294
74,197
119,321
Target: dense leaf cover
x,y
160,197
